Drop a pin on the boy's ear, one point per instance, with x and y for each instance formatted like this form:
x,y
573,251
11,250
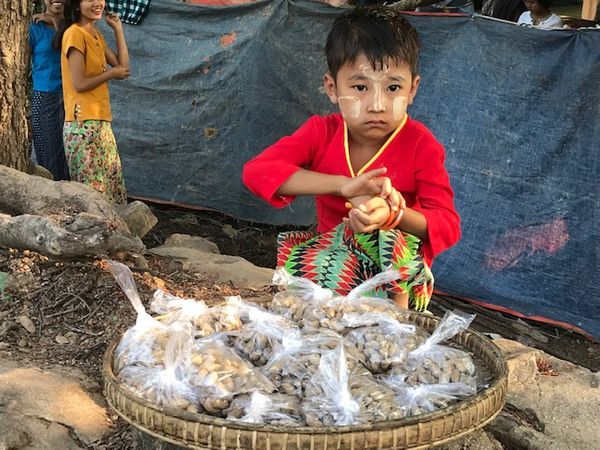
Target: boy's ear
x,y
413,89
330,89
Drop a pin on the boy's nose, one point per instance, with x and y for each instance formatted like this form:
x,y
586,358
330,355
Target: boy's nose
x,y
377,104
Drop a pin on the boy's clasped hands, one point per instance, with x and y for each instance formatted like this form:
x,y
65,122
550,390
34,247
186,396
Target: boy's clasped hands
x,y
373,203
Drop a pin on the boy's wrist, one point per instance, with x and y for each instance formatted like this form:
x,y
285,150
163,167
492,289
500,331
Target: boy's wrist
x,y
342,182
394,218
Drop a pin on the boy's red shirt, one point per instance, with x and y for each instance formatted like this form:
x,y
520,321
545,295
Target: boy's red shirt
x,y
414,160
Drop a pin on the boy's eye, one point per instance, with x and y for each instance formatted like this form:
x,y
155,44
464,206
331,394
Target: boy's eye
x,y
360,87
394,88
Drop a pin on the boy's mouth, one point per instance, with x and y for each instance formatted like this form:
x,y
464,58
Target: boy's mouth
x,y
375,123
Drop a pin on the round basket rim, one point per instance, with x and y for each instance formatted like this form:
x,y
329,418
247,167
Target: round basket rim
x,y
500,378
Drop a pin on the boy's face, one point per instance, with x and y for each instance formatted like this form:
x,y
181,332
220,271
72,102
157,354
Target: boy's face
x,y
372,102
533,6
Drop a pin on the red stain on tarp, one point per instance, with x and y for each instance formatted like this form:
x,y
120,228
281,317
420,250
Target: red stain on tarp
x,y
228,39
525,241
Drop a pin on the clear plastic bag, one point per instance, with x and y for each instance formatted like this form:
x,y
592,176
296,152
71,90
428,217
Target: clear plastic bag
x,y
315,307
433,363
328,400
302,288
424,398
220,374
139,344
329,313
263,332
274,409
297,295
381,340
375,399
297,359
168,382
205,320
171,308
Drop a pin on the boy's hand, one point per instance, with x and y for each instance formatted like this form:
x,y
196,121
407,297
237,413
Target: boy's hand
x,y
396,200
369,183
370,209
113,20
369,215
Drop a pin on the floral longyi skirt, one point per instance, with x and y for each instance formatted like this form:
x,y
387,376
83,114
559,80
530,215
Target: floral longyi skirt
x,y
341,260
93,158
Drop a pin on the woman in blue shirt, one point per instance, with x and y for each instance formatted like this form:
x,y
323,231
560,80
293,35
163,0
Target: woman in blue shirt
x,y
47,112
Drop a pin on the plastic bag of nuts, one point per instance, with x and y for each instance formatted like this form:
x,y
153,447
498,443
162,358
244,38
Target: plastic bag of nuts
x,y
172,309
168,382
381,340
297,295
433,363
424,398
205,320
328,400
329,312
375,399
264,331
275,409
297,359
220,374
139,343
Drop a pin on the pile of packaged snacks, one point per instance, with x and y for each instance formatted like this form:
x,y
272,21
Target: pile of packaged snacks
x,y
313,358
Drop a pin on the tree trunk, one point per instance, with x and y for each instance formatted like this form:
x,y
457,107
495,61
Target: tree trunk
x,y
14,71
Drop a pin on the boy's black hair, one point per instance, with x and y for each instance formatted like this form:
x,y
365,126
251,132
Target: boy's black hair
x,y
72,14
379,32
546,4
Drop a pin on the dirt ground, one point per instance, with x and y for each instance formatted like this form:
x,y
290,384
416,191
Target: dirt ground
x,y
77,307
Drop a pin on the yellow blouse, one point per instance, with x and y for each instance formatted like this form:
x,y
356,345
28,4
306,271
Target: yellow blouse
x,y
88,105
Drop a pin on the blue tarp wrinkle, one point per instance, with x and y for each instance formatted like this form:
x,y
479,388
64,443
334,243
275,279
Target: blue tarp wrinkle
x,y
516,109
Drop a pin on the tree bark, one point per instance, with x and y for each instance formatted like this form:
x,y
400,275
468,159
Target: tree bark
x,y
14,70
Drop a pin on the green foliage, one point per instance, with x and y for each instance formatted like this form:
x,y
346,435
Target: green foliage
x,y
3,282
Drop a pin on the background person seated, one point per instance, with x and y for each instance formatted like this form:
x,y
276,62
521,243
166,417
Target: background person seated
x,y
538,15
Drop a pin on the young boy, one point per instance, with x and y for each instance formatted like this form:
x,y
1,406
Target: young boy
x,y
382,193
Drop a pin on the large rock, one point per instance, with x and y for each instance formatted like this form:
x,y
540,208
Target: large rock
x,y
138,217
193,242
222,268
544,411
521,362
41,408
479,440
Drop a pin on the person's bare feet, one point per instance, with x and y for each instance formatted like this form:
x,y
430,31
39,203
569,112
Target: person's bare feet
x,y
401,300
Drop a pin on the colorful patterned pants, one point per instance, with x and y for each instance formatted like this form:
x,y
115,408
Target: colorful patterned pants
x,y
93,158
341,260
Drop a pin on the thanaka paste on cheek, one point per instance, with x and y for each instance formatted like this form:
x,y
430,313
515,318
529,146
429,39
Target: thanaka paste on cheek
x,y
349,107
399,107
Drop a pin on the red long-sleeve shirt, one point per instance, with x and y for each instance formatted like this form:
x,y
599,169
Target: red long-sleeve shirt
x,y
413,157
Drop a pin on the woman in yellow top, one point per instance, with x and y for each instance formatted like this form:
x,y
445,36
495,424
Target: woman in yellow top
x,y
90,145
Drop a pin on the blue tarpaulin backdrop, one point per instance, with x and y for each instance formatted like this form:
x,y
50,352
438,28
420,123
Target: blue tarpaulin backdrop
x,y
517,110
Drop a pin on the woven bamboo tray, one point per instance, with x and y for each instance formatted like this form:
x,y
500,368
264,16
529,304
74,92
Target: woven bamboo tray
x,y
203,432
